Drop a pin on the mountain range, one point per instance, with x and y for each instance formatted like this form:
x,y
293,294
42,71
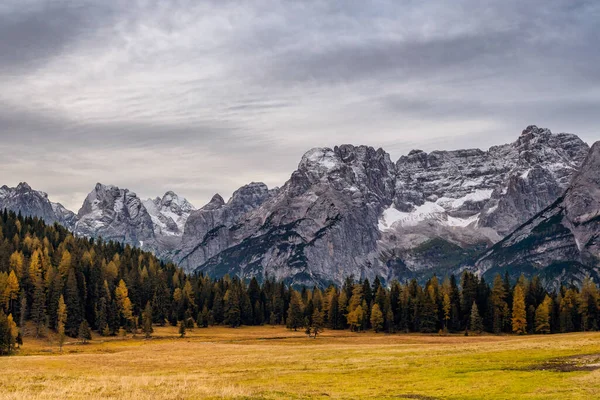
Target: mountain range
x,y
528,206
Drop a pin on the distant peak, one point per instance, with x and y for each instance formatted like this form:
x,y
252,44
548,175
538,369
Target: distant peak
x,y
23,186
534,130
215,203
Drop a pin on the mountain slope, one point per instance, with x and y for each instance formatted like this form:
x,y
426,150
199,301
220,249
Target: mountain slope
x,y
23,199
563,241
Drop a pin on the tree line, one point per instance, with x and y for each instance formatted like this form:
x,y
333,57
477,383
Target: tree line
x,y
51,280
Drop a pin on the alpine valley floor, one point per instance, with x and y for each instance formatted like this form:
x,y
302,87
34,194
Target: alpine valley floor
x,y
274,363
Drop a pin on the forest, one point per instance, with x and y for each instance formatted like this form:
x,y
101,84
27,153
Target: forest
x,y
52,280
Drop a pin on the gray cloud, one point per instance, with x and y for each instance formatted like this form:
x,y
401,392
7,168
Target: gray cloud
x,y
202,97
34,33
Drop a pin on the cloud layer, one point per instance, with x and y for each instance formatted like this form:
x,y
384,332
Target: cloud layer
x,y
203,97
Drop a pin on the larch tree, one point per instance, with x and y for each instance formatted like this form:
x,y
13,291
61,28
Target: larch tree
x,y
62,319
376,318
519,313
11,293
542,316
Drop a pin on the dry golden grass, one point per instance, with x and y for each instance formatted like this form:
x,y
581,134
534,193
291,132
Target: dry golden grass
x,y
274,363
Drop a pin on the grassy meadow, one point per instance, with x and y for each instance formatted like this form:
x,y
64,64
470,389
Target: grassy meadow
x,y
274,363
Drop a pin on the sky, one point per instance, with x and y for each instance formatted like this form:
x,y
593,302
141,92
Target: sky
x,y
204,96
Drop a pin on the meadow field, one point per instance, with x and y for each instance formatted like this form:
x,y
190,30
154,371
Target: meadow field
x,y
275,363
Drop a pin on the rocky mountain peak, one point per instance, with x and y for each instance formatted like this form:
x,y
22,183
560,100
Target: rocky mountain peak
x,y
114,214
175,203
215,203
29,202
562,241
23,187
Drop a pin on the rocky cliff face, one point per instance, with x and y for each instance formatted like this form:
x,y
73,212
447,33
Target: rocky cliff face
x,y
350,210
31,202
498,189
115,214
562,243
169,214
316,228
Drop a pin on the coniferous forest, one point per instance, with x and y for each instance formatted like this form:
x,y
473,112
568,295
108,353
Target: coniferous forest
x,y
51,280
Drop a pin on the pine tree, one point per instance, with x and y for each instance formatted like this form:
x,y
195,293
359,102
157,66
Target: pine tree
x,y
295,318
5,346
519,315
376,318
499,304
475,322
73,302
181,329
84,333
317,322
62,319
232,308
147,321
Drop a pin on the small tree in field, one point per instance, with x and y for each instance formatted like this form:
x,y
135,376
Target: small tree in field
x,y
317,323
181,329
85,333
147,321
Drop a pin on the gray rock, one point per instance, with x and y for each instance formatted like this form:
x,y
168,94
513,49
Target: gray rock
x,y
562,243
23,199
116,214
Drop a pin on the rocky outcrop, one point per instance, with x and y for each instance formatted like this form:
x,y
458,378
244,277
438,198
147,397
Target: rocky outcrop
x,y
498,189
23,199
562,243
317,228
116,214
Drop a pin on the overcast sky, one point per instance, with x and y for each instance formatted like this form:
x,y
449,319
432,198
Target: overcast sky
x,y
204,96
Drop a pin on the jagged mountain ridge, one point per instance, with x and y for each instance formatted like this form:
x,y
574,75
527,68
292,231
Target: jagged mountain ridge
x,y
563,241
349,210
23,199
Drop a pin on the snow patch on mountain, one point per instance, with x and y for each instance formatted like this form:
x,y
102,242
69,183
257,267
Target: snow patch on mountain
x,y
169,214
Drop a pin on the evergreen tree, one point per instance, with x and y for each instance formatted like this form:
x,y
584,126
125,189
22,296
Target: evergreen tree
x,y
317,322
72,300
85,332
295,311
232,308
181,329
499,305
475,323
147,321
